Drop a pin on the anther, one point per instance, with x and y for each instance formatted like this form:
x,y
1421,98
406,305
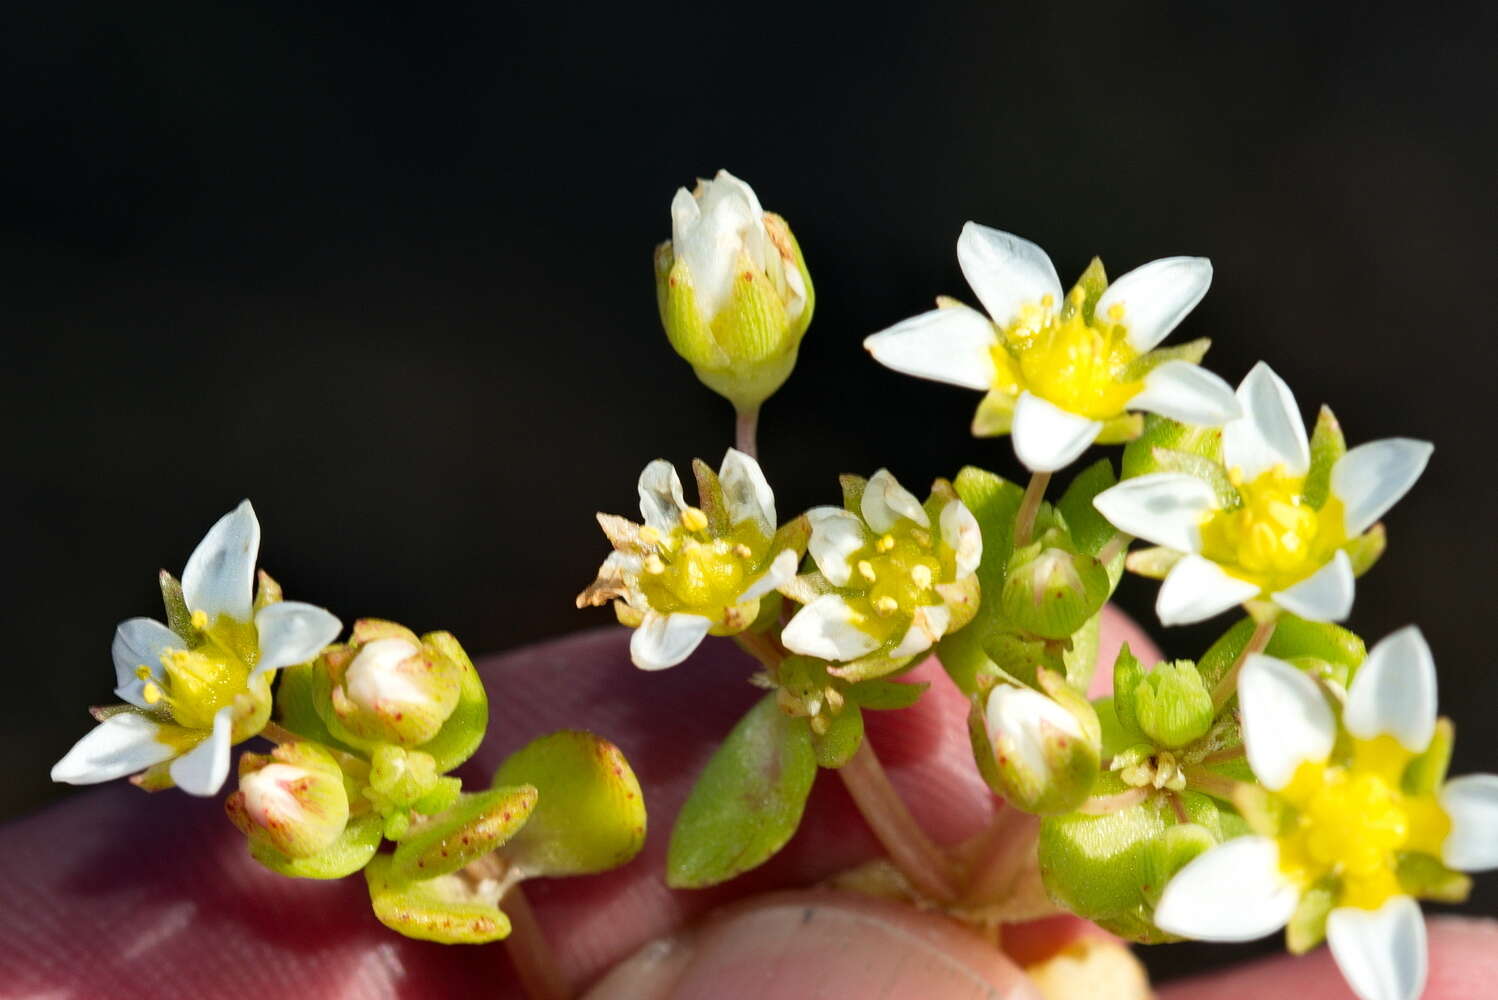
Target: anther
x,y
742,551
649,536
920,575
866,570
886,605
654,565
885,543
694,519
200,619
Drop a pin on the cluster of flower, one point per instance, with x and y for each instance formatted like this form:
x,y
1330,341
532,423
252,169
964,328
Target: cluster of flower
x,y
364,735
1285,778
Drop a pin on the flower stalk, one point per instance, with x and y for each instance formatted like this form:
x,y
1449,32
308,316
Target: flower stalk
x,y
917,856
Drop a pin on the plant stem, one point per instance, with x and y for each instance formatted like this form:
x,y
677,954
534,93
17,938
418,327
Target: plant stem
x,y
1199,779
540,975
763,647
1104,805
917,857
746,431
1113,546
1024,521
1007,848
1228,685
278,734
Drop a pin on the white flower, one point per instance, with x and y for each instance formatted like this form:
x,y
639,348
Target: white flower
x,y
1354,817
690,571
1062,371
194,692
888,581
1275,544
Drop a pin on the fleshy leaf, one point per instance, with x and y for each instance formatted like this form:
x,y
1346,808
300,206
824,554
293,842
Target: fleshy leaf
x,y
881,694
449,909
1171,851
994,502
1090,531
590,816
842,739
747,802
1293,637
295,709
1162,432
353,849
464,729
476,825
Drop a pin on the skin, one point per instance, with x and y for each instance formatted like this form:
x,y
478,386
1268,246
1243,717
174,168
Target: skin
x,y
111,895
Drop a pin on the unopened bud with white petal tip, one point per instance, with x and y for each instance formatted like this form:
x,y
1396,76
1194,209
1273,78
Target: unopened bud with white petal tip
x,y
1045,753
388,686
734,294
293,799
1051,592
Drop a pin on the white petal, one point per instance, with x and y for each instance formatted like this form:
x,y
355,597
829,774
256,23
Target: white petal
x,y
663,641
835,535
661,499
1156,297
202,770
1471,803
1286,720
1382,952
709,231
824,628
292,632
1324,596
1006,272
1372,477
139,642
953,345
1394,692
1163,507
885,501
1232,892
122,744
782,568
1189,393
1270,432
746,492
959,529
1046,437
220,573
929,623
1195,589
1017,718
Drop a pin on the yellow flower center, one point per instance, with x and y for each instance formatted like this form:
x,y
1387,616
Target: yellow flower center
x,y
1275,539
199,682
694,572
1057,356
892,576
1355,821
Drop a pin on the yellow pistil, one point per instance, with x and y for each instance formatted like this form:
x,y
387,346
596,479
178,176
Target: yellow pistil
x,y
1275,539
1354,821
198,683
694,573
1064,360
893,575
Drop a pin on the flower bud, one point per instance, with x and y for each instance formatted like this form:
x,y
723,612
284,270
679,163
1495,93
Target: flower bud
x,y
1172,704
1045,753
733,290
388,686
293,799
1051,593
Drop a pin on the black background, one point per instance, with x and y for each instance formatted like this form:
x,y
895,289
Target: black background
x,y
386,270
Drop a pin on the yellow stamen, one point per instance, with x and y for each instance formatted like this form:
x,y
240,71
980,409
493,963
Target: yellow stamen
x,y
866,570
200,619
152,694
742,551
654,565
694,519
649,536
886,606
920,575
885,543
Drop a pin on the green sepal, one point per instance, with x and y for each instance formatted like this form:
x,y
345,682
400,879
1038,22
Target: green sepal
x,y
1162,432
1292,637
793,534
1168,853
267,592
1424,877
747,801
1207,470
590,816
475,826
886,695
842,739
852,487
1307,926
1265,813
1154,562
1427,773
296,709
1172,705
1128,672
994,502
178,618
444,909
464,729
1115,738
1366,549
1327,447
1192,351
1090,531
710,499
994,416
1121,429
1092,284
353,849
1052,593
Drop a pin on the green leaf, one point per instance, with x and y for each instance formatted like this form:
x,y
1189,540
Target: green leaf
x,y
1293,637
746,803
477,825
590,815
447,909
886,695
842,739
1090,531
994,502
1327,446
353,849
1171,851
